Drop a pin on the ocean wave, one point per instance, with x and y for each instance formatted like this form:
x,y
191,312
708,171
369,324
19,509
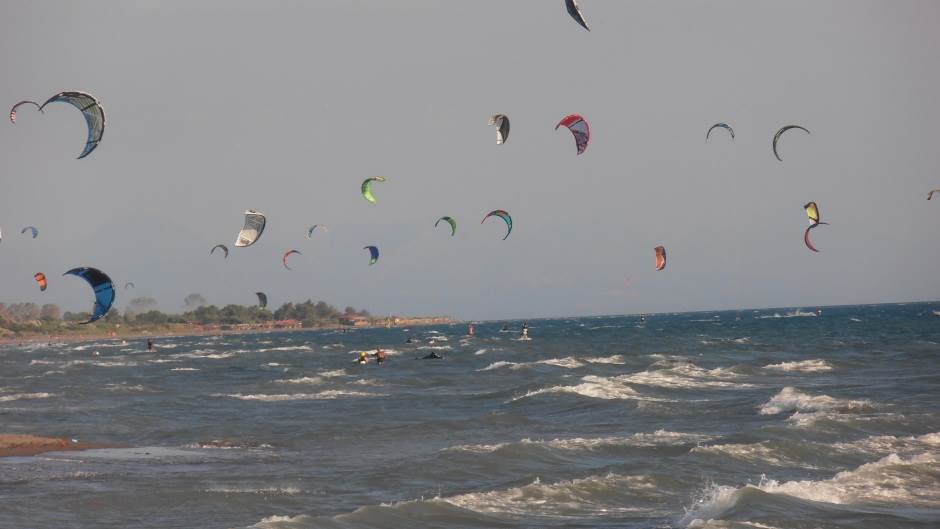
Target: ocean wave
x,y
267,491
481,351
892,480
762,453
566,362
329,394
613,359
688,375
614,388
792,399
332,373
184,369
286,348
25,396
301,380
803,366
218,444
123,386
596,495
657,438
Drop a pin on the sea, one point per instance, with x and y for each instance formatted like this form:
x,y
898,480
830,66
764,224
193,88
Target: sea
x,y
775,418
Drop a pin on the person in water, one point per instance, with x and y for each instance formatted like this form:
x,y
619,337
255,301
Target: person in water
x,y
525,331
363,357
470,329
150,346
379,356
431,356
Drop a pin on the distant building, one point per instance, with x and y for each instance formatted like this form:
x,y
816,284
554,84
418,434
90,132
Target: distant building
x,y
354,320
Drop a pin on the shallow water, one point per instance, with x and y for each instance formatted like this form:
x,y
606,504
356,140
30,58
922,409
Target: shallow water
x,y
779,419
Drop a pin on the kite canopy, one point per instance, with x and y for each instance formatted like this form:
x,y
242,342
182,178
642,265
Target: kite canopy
x,y
579,128
287,254
217,246
502,128
449,220
373,254
254,226
102,286
41,279
13,110
780,133
367,187
930,194
575,13
129,284
660,257
812,213
503,215
91,109
31,229
719,126
310,230
262,299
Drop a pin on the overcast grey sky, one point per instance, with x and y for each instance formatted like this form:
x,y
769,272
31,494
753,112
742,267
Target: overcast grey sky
x,y
285,107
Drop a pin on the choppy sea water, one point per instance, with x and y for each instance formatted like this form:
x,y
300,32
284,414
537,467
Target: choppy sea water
x,y
779,419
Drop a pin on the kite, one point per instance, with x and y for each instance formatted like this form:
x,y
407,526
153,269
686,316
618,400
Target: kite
x,y
13,110
722,126
315,226
579,128
254,226
103,287
373,254
812,213
449,220
575,13
503,215
288,254
217,246
502,128
129,284
930,195
780,133
367,187
31,229
660,257
41,279
262,299
91,109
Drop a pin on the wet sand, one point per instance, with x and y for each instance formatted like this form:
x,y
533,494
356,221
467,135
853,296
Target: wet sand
x,y
28,445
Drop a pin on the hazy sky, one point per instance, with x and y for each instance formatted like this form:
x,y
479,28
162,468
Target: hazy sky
x,y
285,107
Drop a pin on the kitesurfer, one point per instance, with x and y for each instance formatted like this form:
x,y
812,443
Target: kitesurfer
x,y
150,346
525,331
379,356
470,329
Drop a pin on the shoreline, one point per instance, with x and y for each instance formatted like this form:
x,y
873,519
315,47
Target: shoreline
x,y
184,332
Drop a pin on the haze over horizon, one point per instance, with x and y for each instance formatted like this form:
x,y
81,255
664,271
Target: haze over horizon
x,y
217,107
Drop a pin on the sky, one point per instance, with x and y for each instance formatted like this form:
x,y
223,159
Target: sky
x,y
215,107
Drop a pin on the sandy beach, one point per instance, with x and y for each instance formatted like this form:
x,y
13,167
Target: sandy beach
x,y
28,445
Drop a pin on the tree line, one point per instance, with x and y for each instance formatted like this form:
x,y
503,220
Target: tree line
x,y
142,312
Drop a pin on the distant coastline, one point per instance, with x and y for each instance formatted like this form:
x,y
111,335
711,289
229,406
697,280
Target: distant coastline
x,y
80,333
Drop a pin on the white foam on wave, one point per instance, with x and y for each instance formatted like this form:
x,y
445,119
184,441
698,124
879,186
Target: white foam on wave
x,y
803,366
329,394
566,362
480,351
279,522
267,491
757,453
301,380
184,369
612,388
332,373
286,348
688,375
792,399
595,495
125,387
647,440
613,359
25,396
891,480
888,444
